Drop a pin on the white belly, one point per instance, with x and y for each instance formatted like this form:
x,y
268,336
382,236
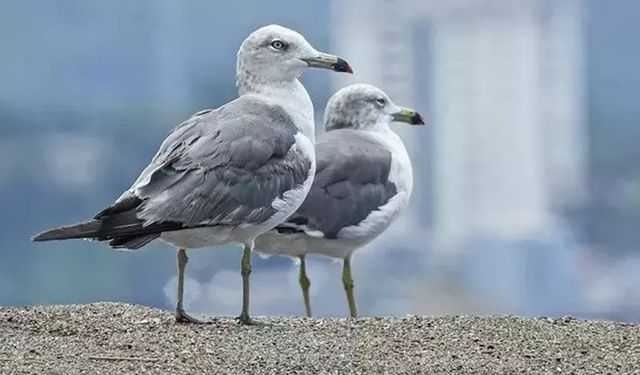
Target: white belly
x,y
297,244
199,237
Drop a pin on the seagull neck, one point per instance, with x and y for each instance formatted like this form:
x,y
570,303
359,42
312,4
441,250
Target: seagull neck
x,y
383,132
380,127
290,95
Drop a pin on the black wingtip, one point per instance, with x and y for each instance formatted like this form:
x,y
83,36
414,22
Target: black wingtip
x,y
82,230
47,235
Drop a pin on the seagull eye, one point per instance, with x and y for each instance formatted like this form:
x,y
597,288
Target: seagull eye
x,y
278,44
381,102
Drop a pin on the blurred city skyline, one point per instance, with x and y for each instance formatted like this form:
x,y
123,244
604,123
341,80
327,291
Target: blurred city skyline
x,y
527,190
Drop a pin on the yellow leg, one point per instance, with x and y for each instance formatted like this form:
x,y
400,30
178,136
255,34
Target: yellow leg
x,y
305,283
181,315
347,282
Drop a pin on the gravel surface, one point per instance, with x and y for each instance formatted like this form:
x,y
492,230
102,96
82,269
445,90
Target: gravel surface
x,y
110,338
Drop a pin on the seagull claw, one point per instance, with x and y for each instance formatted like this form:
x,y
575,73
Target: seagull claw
x,y
245,320
182,317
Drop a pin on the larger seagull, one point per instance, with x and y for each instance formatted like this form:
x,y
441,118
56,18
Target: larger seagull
x,y
363,181
229,174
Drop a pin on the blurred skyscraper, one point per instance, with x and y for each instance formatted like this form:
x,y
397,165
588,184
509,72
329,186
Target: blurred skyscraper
x,y
501,83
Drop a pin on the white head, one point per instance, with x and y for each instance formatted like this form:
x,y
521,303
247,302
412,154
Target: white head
x,y
274,53
364,107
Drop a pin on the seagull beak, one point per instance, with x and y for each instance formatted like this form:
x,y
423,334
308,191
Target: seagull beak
x,y
326,61
408,115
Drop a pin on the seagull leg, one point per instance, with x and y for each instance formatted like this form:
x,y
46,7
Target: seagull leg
x,y
244,318
181,315
305,283
347,282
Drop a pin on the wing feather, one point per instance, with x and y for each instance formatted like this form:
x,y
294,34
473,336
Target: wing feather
x,y
225,167
351,181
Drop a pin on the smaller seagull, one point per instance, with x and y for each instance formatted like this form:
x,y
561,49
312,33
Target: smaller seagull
x,y
363,181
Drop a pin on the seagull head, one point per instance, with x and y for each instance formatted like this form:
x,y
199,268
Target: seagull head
x,y
363,106
275,53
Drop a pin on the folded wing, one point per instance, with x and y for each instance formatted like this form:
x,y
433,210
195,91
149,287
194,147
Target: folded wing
x,y
352,180
220,167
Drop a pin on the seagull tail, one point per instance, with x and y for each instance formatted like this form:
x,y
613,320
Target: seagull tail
x,y
118,225
89,229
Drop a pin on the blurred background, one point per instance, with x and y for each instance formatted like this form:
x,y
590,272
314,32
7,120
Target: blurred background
x,y
527,179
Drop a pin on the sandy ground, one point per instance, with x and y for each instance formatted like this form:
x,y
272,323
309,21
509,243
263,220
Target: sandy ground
x,y
109,338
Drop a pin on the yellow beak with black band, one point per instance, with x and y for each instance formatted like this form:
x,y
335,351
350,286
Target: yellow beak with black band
x,y
409,116
327,61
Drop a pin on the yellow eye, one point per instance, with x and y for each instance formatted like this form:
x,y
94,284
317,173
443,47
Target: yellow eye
x,y
277,44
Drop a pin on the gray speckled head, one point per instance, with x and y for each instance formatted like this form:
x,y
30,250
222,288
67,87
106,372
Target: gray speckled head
x,y
272,53
359,106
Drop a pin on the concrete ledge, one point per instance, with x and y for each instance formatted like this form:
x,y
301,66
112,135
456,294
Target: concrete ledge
x,y
115,338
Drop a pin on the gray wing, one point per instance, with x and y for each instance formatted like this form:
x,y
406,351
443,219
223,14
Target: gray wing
x,y
223,166
220,167
351,181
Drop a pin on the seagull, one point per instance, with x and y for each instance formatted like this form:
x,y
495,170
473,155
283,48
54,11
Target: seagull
x,y
225,175
363,181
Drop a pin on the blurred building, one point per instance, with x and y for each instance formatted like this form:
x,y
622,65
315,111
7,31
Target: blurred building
x,y
501,83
